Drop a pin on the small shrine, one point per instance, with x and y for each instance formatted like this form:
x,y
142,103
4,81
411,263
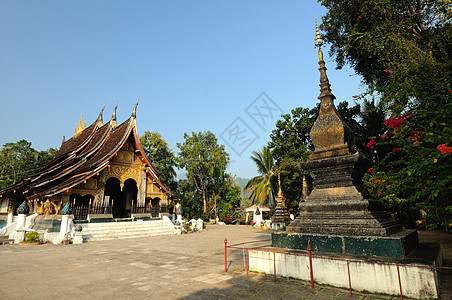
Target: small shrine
x,y
281,215
258,214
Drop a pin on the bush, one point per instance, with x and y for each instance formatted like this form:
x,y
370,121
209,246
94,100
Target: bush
x,y
32,237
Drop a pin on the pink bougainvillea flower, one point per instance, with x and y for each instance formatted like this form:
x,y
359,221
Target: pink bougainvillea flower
x,y
394,122
371,144
388,71
444,149
396,150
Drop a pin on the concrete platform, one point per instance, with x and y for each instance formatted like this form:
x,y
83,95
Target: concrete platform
x,y
375,275
397,245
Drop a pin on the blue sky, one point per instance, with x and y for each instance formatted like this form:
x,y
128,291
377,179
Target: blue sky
x,y
224,66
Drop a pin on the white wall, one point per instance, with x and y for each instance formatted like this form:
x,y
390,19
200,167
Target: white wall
x,y
417,282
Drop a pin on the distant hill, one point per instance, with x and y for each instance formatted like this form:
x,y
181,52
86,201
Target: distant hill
x,y
241,182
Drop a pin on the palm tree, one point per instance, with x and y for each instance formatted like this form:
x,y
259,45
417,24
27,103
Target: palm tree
x,y
260,186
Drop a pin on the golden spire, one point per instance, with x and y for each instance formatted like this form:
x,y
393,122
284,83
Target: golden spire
x,y
80,127
318,40
280,194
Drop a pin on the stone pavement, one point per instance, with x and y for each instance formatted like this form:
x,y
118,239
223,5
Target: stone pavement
x,y
189,266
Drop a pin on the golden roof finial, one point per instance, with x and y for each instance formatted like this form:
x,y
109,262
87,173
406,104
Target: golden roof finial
x,y
99,118
113,117
80,127
134,113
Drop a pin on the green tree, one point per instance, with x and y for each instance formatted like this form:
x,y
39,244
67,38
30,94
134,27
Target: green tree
x,y
262,187
403,51
161,157
205,162
19,160
290,139
230,200
391,43
191,200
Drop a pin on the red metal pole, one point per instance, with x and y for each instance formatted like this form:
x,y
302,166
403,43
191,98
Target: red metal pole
x,y
225,255
274,264
349,281
246,258
400,283
310,265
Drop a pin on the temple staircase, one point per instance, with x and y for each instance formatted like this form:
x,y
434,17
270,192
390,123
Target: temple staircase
x,y
5,240
120,230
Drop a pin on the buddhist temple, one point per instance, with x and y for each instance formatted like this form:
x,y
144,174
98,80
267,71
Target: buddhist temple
x,y
101,172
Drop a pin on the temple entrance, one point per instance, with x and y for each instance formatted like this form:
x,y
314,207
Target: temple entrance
x,y
121,200
80,205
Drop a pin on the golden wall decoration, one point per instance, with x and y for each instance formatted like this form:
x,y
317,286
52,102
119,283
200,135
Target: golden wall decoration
x,y
124,172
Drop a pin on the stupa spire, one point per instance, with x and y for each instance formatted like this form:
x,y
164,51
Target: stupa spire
x,y
329,134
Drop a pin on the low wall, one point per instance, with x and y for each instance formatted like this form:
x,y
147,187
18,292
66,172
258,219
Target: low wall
x,y
416,281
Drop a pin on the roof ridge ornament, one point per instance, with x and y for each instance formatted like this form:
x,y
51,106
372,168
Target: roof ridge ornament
x,y
113,117
99,118
80,127
134,113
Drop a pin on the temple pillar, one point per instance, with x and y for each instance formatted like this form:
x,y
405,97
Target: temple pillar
x,y
99,197
141,195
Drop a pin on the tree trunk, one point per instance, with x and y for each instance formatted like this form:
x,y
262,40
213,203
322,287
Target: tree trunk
x,y
204,200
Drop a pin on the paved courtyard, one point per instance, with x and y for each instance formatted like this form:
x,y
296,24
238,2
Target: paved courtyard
x,y
189,266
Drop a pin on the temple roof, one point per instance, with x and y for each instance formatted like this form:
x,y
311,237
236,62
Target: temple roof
x,y
83,156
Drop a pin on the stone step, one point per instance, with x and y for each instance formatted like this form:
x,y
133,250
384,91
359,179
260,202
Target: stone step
x,y
123,232
113,230
5,240
91,238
